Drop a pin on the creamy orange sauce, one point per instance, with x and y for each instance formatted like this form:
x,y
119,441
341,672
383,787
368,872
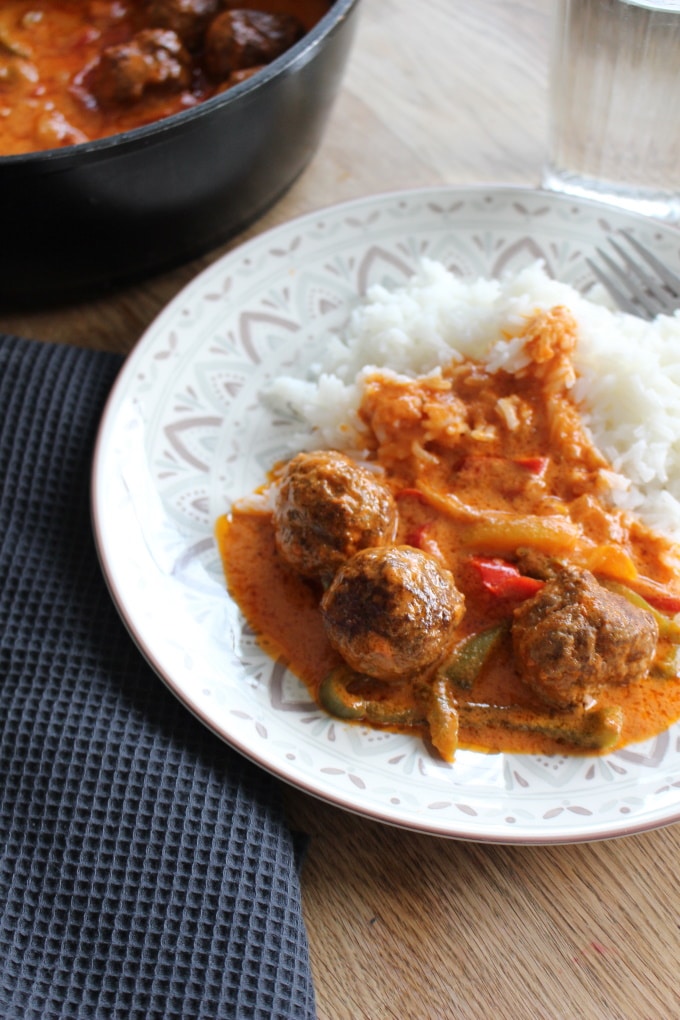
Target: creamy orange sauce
x,y
46,49
479,464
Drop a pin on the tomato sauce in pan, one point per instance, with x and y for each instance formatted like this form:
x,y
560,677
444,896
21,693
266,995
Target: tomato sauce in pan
x,y
49,48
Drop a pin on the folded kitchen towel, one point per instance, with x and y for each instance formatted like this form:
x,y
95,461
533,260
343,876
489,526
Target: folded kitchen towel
x,y
146,869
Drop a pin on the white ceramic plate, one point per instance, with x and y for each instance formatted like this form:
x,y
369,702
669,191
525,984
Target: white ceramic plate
x,y
184,432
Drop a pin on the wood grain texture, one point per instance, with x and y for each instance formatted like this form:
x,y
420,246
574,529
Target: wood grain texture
x,y
404,926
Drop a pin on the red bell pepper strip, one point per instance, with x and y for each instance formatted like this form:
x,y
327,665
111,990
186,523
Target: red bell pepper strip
x,y
536,465
661,598
420,539
413,494
666,602
417,536
504,579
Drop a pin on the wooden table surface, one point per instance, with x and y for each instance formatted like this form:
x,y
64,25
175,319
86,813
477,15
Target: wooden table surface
x,y
404,925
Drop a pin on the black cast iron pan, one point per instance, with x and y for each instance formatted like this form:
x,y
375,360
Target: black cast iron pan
x,y
79,220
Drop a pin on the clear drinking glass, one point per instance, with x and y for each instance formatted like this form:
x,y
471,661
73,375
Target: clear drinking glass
x,y
615,103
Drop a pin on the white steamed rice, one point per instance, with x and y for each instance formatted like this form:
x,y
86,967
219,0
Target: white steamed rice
x,y
628,383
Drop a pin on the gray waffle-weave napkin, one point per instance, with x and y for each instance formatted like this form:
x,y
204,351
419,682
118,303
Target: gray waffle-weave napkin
x,y
146,869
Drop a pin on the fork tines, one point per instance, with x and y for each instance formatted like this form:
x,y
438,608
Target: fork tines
x,y
634,288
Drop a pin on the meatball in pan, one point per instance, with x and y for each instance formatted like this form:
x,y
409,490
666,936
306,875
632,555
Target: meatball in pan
x,y
153,61
188,18
241,38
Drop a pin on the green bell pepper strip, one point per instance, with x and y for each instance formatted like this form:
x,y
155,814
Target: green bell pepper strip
x,y
668,628
336,698
471,655
436,707
595,729
667,666
442,717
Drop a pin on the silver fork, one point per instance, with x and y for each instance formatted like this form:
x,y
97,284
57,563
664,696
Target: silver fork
x,y
642,284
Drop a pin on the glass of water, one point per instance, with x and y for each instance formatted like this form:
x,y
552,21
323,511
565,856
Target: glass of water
x,y
615,103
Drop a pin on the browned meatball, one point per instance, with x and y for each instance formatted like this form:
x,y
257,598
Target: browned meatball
x,y
575,637
240,38
328,508
188,18
154,59
392,612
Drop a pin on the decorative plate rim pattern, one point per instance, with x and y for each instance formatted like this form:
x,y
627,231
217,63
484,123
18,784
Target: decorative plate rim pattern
x,y
185,430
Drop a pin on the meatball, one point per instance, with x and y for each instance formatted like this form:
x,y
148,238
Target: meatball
x,y
575,637
392,612
328,508
154,59
188,18
239,39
